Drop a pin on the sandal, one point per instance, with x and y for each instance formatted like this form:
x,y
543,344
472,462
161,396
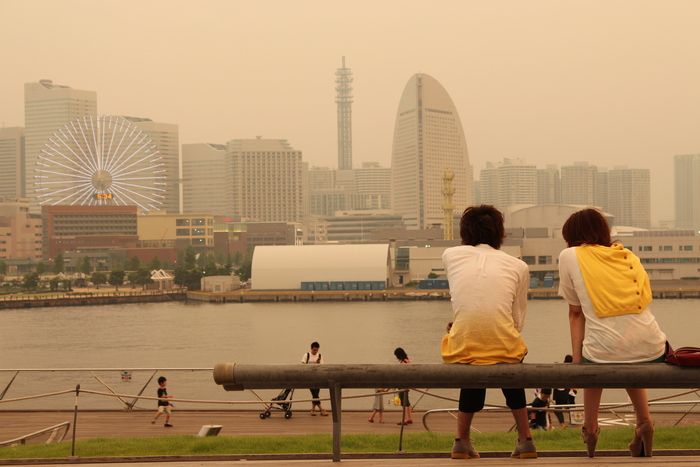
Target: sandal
x,y
370,420
313,414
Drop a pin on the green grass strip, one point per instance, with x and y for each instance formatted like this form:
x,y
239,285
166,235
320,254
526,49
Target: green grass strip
x,y
182,445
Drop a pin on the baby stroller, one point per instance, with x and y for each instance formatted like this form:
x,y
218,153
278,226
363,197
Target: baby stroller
x,y
280,405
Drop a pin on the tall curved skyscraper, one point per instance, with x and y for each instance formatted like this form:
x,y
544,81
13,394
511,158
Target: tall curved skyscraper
x,y
428,136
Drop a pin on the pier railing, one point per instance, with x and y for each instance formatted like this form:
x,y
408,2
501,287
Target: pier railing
x,y
237,377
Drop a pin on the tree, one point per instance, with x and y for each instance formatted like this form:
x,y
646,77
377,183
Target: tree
x,y
40,268
194,279
167,265
133,263
59,264
180,276
432,275
190,257
98,278
3,268
201,260
30,281
85,267
53,284
181,257
132,277
116,278
221,258
237,258
245,269
154,263
143,277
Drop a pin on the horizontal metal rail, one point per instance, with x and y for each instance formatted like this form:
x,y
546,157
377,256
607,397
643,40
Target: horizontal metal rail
x,y
236,377
335,377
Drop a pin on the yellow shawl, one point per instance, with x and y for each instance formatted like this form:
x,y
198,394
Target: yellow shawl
x,y
615,279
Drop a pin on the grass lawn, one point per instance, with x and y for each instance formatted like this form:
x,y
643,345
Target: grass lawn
x,y
556,440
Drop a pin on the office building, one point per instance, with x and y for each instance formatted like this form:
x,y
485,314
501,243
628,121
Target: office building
x,y
177,231
165,136
47,107
11,160
20,231
264,180
343,98
374,181
203,187
428,136
630,197
686,169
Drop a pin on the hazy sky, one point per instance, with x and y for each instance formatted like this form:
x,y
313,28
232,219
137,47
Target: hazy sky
x,y
553,82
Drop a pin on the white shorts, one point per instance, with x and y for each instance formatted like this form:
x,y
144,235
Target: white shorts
x,y
165,408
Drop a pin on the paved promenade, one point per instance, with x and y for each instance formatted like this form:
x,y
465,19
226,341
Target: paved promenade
x,y
93,424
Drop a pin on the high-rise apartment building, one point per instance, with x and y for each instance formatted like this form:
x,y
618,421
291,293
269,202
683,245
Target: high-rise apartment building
x,y
489,184
630,196
11,160
343,98
47,107
548,185
428,136
374,181
517,183
166,138
264,180
579,184
203,187
603,191
686,169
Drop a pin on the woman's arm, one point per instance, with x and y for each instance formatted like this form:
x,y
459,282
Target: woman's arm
x,y
577,325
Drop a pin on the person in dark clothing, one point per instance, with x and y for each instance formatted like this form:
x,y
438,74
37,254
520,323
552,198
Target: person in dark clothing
x,y
538,418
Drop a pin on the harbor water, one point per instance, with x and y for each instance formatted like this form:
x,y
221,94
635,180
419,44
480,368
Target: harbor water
x,y
199,335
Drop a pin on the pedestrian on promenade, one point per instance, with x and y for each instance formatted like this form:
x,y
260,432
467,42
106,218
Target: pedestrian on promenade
x,y
564,396
378,406
164,404
489,300
402,357
539,419
608,293
314,357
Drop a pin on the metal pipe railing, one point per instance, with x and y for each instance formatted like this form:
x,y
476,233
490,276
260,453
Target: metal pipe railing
x,y
238,377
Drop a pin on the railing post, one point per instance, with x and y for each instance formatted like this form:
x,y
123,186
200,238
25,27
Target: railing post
x,y
336,408
75,420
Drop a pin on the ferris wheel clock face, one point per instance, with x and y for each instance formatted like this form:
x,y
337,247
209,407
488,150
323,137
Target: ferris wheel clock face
x,y
100,161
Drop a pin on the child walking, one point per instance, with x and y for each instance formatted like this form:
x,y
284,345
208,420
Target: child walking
x,y
163,403
378,405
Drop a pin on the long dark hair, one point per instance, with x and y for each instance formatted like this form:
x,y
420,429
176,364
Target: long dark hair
x,y
482,224
400,354
586,227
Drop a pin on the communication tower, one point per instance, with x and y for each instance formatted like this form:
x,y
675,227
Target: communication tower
x,y
343,97
447,205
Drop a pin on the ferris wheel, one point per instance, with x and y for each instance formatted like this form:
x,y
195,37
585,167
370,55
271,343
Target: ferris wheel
x,y
100,161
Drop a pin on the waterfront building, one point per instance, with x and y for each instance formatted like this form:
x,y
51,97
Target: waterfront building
x,y
20,232
630,196
165,136
428,136
357,226
327,202
203,187
68,228
686,168
548,185
264,180
242,237
11,160
177,231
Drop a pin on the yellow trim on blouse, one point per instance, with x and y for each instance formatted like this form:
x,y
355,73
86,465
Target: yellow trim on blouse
x,y
615,279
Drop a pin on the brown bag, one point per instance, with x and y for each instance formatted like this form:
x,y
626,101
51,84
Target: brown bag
x,y
685,356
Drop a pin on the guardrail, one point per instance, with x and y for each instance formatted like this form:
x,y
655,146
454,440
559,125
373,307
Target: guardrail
x,y
335,377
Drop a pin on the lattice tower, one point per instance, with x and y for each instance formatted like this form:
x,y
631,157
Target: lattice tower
x,y
343,97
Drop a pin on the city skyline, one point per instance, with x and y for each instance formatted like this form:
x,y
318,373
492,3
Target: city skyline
x,y
612,83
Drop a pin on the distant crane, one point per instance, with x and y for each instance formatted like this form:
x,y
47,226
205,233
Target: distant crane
x,y
447,205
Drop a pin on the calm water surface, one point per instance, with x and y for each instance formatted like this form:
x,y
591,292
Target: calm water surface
x,y
199,335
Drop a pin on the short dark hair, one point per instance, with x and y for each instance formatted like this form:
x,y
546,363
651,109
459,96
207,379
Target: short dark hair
x,y
586,227
568,359
546,391
400,353
315,344
162,380
482,224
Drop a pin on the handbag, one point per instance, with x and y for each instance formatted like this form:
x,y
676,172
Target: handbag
x,y
684,356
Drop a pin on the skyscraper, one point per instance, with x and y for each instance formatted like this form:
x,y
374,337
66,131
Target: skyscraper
x,y
548,185
686,169
579,184
203,187
428,136
264,180
11,160
630,196
517,183
47,107
343,97
166,138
